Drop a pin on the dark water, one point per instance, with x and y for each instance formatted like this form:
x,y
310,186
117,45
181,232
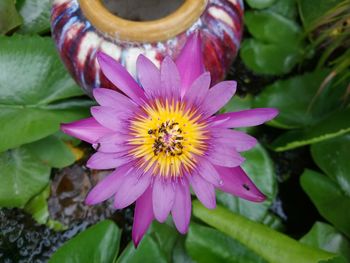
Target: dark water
x,y
142,10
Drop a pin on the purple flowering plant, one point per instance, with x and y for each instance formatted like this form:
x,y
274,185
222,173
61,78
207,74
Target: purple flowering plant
x,y
162,136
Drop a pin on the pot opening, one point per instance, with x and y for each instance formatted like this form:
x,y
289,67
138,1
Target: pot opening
x,y
142,10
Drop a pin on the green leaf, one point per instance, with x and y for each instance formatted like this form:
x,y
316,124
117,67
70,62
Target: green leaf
x,y
180,254
36,15
33,83
326,237
9,17
260,4
52,151
156,246
329,199
271,27
147,251
294,110
286,8
38,206
271,245
97,244
311,10
259,168
332,156
237,103
22,176
207,245
335,124
270,58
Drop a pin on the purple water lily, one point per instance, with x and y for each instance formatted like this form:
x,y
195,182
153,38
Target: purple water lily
x,y
163,137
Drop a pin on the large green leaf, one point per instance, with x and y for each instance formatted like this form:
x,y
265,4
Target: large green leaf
x,y
270,58
260,4
294,109
286,8
332,203
148,251
271,245
97,244
22,176
207,245
335,124
32,84
311,10
9,17
156,246
332,156
326,237
53,151
270,27
259,168
36,15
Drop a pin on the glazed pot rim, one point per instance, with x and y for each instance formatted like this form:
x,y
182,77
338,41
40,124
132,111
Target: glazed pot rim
x,y
145,31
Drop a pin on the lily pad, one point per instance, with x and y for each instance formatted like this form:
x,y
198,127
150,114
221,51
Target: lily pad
x,y
259,168
260,4
99,243
9,17
33,83
294,109
270,27
207,245
53,151
270,58
36,15
22,177
329,199
156,246
326,237
312,10
332,156
335,124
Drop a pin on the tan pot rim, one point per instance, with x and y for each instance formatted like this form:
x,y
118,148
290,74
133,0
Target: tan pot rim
x,y
149,31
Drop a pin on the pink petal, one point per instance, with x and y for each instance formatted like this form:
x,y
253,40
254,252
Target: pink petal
x,y
109,117
143,216
112,143
107,160
163,198
113,99
208,172
134,185
88,130
236,139
245,118
218,96
224,155
204,191
237,182
170,79
196,94
190,62
149,76
108,186
181,210
119,76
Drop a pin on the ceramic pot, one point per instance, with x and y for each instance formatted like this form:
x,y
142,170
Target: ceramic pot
x,y
82,27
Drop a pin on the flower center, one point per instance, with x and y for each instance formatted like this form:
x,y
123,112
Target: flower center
x,y
167,137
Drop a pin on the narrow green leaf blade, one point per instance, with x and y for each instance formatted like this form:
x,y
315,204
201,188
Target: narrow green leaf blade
x,y
272,246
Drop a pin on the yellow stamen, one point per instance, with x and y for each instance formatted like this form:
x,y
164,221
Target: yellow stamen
x,y
167,138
